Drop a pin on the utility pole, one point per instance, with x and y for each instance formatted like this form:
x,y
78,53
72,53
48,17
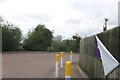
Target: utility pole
x,y
119,13
105,25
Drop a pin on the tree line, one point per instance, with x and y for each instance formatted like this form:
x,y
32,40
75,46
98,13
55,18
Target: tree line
x,y
39,39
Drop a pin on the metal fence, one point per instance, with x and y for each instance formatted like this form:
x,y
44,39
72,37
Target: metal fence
x,y
93,66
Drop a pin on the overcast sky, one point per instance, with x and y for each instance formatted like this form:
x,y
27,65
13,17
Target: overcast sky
x,y
65,17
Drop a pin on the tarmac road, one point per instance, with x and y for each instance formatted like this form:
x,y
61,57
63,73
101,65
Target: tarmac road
x,y
31,64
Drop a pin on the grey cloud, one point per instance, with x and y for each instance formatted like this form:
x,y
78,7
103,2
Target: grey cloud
x,y
20,18
92,8
89,6
97,10
2,0
33,17
89,32
113,22
73,21
40,17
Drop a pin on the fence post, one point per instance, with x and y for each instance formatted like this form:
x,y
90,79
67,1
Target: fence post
x,y
61,59
57,66
71,56
68,70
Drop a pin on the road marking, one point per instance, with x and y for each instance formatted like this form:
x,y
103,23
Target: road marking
x,y
81,72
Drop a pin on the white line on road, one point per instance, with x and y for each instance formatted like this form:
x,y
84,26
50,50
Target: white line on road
x,y
80,71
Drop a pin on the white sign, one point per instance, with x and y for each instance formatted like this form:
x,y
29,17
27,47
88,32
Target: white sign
x,y
108,61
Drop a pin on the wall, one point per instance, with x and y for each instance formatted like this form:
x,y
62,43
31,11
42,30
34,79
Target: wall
x,y
88,62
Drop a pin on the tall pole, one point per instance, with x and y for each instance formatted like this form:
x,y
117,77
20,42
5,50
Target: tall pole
x,y
119,13
106,22
105,27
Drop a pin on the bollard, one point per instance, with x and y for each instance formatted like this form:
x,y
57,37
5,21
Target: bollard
x,y
71,56
61,59
68,70
57,66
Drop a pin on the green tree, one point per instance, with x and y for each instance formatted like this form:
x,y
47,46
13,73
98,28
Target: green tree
x,y
39,39
60,44
77,38
58,38
11,37
1,34
57,44
70,44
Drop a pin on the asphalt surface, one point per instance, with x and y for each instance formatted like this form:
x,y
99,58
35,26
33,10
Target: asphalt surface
x,y
36,65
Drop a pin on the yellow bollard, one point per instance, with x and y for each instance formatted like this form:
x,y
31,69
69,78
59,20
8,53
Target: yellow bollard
x,y
57,57
61,54
68,69
61,59
57,66
71,56
71,52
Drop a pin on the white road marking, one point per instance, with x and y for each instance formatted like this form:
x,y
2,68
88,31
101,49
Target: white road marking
x,y
81,72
